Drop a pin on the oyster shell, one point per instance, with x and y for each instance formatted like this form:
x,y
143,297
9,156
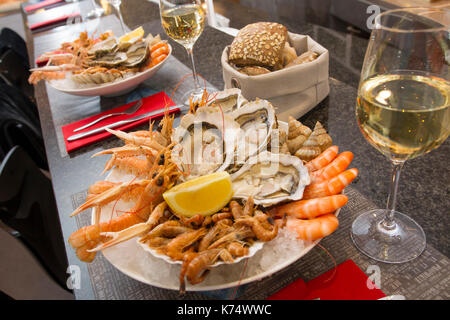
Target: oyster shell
x,y
256,120
229,100
109,60
103,47
99,77
205,142
137,54
271,178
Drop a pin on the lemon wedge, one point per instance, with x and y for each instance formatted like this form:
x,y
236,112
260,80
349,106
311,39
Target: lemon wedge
x,y
203,195
135,34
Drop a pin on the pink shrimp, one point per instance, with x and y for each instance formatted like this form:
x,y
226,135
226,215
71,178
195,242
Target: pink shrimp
x,y
338,165
330,187
309,209
313,229
323,159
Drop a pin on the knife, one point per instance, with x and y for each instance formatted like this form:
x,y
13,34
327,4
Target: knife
x,y
120,123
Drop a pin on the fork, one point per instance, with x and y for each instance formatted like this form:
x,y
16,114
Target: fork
x,y
132,109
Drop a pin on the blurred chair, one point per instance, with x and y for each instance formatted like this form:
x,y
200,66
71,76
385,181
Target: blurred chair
x,y
28,206
20,125
14,63
21,274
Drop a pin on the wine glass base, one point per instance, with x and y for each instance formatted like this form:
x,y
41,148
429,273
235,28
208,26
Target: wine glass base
x,y
403,242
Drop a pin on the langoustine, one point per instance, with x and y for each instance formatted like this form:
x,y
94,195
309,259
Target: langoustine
x,y
89,237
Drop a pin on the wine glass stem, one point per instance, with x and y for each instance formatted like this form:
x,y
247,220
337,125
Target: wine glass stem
x,y
388,221
117,7
190,52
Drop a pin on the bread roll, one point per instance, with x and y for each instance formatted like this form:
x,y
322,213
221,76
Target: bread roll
x,y
253,70
259,44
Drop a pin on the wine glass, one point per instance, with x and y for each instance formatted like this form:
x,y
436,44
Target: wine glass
x,y
184,21
403,111
116,4
96,12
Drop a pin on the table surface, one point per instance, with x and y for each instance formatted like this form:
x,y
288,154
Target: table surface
x,y
424,186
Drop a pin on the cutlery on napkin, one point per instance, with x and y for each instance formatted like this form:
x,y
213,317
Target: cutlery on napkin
x,y
43,4
154,103
61,20
119,123
129,111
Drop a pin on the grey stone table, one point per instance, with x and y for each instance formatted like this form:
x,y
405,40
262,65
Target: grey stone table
x,y
424,187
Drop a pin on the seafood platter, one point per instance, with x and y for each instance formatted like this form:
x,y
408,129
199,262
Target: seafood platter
x,y
107,65
229,196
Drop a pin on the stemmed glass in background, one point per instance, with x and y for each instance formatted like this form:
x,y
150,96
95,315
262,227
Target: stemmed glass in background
x,y
403,111
184,21
116,4
97,11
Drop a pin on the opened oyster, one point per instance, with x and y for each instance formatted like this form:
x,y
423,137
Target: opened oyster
x,y
104,47
271,178
137,54
97,75
109,60
229,100
256,119
205,142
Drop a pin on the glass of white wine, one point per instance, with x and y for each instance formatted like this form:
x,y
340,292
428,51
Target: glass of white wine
x,y
403,111
184,21
116,4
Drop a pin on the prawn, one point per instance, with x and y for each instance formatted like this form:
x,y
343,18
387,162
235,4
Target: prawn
x,y
323,159
260,232
313,229
330,187
196,269
102,186
219,227
236,209
238,249
175,247
240,234
133,165
311,208
128,151
134,230
338,165
136,140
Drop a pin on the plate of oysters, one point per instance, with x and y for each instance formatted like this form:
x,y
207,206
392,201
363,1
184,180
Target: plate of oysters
x,y
227,197
102,66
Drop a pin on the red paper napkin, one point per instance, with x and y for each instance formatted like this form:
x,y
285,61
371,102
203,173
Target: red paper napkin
x,y
42,4
347,283
55,21
151,103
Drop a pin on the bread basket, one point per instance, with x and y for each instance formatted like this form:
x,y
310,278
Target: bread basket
x,y
293,91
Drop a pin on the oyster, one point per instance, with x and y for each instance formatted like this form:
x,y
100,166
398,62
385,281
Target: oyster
x,y
109,60
256,120
103,47
271,178
205,142
96,75
137,54
229,100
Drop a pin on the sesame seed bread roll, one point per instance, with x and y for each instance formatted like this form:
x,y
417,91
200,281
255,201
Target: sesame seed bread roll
x,y
259,44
